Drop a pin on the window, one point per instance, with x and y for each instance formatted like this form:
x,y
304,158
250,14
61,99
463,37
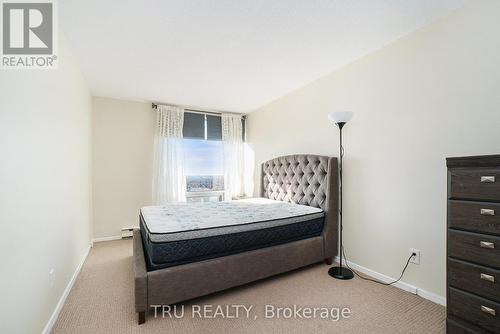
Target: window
x,y
204,160
203,157
204,169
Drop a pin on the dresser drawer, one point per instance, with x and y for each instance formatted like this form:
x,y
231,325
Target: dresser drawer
x,y
478,311
458,326
474,216
479,248
473,278
471,183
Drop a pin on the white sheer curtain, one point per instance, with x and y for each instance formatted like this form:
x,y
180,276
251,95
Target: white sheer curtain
x,y
169,181
232,142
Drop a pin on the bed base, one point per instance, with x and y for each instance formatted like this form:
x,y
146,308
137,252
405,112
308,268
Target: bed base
x,y
180,283
141,317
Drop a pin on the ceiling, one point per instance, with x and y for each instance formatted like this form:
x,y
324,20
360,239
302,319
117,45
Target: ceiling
x,y
232,55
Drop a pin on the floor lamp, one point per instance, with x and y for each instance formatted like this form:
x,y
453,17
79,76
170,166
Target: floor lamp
x,y
340,119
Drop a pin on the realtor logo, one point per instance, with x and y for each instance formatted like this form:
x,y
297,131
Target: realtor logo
x,y
28,34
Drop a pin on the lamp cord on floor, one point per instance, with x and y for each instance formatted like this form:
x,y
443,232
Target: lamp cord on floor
x,y
374,280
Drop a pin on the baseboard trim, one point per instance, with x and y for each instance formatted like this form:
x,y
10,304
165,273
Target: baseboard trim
x,y
431,296
62,300
401,285
111,238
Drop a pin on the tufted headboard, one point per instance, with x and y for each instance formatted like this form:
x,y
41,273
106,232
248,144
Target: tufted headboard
x,y
309,180
300,179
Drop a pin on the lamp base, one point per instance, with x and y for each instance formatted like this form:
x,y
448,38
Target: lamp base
x,y
341,273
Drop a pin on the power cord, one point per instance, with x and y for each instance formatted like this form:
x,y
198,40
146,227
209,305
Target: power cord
x,y
374,280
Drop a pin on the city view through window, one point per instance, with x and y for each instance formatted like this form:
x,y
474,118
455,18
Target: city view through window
x,y
196,183
204,165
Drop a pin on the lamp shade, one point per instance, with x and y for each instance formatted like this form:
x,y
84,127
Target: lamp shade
x,y
340,116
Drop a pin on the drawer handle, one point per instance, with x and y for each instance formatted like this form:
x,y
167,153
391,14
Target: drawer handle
x,y
488,310
487,179
486,244
487,212
487,277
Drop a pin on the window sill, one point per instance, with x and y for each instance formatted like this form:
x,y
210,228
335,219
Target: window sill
x,y
205,194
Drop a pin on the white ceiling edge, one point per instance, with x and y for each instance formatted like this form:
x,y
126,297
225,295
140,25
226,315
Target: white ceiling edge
x,y
184,106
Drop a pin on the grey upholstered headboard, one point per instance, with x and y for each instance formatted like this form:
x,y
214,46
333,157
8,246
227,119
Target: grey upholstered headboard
x,y
301,179
309,180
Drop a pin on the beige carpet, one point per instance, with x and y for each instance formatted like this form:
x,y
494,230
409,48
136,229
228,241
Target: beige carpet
x,y
101,301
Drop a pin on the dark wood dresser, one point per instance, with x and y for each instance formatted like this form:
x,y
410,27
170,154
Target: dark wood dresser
x,y
473,264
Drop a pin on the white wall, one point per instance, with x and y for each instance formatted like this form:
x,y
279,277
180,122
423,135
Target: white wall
x,y
123,141
123,151
430,95
45,189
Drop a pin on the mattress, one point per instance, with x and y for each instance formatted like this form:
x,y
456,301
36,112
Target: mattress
x,y
181,233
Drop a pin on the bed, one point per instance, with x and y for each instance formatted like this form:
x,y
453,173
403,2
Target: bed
x,y
187,250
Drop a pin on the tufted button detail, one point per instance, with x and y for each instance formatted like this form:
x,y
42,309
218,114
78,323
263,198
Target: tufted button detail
x,y
297,178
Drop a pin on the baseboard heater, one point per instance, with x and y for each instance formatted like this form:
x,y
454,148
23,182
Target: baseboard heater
x,y
127,232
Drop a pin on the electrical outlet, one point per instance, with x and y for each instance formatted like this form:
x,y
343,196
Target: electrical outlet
x,y
416,258
52,277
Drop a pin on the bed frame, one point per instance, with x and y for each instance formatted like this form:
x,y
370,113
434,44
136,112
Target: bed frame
x,y
302,179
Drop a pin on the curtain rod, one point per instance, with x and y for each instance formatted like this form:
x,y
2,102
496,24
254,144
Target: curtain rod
x,y
198,111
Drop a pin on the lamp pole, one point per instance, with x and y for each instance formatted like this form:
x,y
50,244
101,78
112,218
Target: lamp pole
x,y
340,272
341,154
